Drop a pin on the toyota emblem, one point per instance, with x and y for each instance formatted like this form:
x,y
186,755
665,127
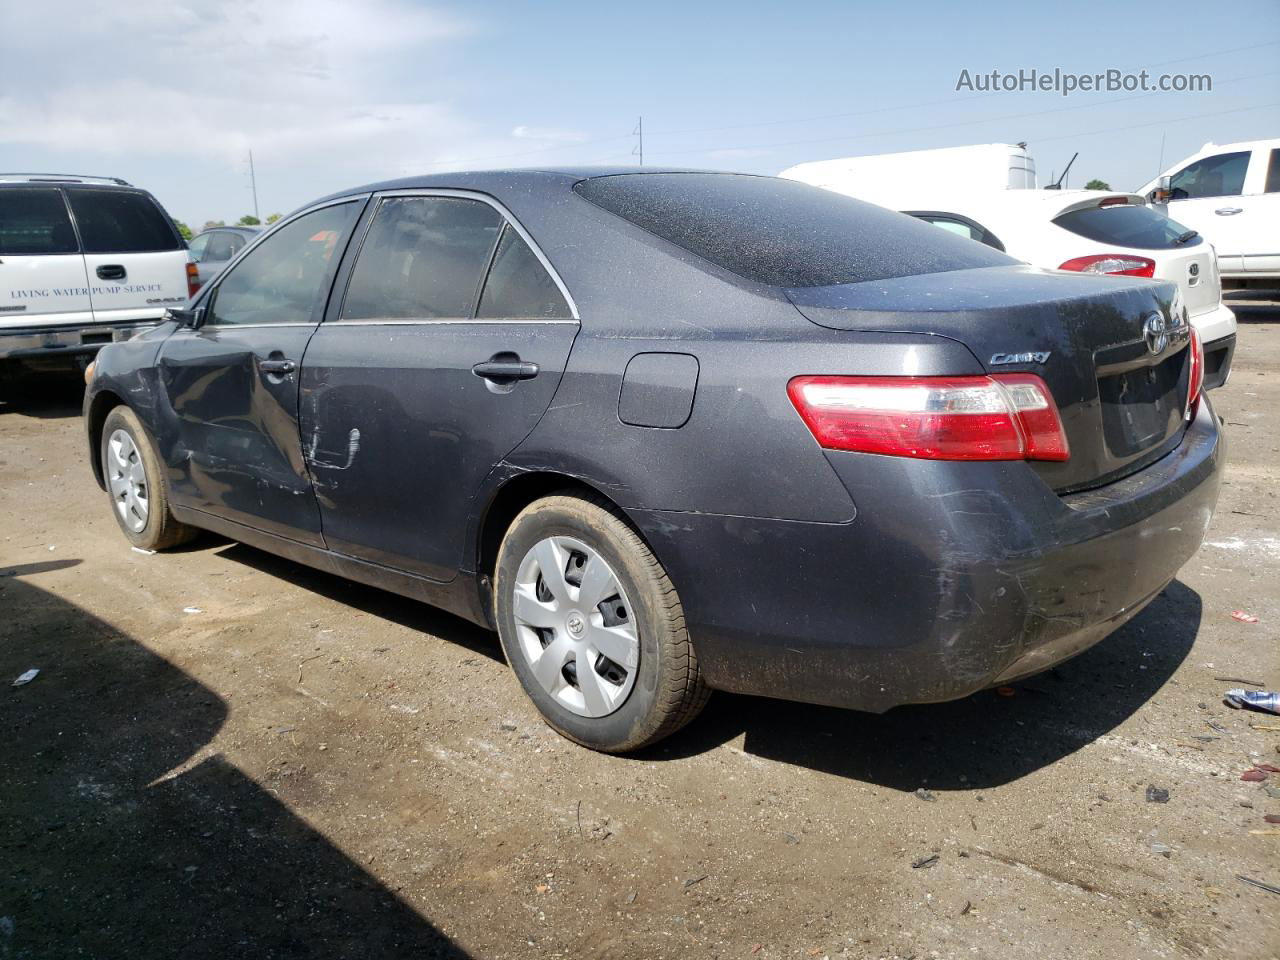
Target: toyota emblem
x,y
1156,333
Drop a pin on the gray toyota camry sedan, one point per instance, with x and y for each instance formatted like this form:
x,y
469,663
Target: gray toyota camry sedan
x,y
673,431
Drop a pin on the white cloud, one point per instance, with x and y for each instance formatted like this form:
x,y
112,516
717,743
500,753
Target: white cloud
x,y
549,134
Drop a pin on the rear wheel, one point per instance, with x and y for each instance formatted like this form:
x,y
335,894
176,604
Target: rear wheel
x,y
593,627
136,484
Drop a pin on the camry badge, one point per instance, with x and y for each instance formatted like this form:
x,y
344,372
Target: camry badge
x,y
1036,356
1156,333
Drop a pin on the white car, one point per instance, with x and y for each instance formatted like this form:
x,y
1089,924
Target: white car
x,y
1093,231
83,261
1231,193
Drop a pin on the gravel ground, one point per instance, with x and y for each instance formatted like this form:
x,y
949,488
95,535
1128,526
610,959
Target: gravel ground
x,y
228,755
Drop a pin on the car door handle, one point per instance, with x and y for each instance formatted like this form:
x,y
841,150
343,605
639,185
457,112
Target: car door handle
x,y
278,367
111,271
505,371
1228,211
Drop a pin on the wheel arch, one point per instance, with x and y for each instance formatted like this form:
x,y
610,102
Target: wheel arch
x,y
95,416
506,503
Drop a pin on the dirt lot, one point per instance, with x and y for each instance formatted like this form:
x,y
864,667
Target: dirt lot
x,y
227,755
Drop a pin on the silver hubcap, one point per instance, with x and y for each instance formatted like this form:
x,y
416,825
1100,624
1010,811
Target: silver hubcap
x,y
127,480
575,626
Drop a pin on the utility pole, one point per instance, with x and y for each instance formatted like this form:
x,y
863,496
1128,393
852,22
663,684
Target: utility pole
x,y
639,133
253,183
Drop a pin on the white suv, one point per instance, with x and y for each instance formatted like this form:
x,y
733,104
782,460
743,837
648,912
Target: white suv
x,y
1230,192
83,261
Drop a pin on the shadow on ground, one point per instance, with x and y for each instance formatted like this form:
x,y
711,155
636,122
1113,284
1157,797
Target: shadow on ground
x,y
50,395
412,614
976,743
980,742
120,838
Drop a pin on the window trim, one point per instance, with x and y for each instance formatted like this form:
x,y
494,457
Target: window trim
x,y
509,221
205,297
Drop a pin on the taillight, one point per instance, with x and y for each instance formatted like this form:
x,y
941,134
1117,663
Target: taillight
x,y
193,279
1195,379
1113,202
1001,417
1114,264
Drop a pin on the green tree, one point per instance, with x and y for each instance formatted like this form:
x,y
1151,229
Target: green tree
x,y
274,217
249,220
1097,185
184,230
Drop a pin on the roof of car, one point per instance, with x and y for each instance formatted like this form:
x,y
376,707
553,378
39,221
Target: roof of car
x,y
499,180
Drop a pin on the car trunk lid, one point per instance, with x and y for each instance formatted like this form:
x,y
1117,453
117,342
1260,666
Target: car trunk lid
x,y
1109,348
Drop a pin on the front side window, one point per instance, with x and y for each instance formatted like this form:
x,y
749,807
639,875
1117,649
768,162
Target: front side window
x,y
423,258
220,248
519,285
285,278
120,221
1220,176
34,222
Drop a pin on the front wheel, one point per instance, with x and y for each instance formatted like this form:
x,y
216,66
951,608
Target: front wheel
x,y
135,484
593,627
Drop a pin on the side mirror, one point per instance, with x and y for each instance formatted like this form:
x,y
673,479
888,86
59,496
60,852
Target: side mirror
x,y
1163,192
185,317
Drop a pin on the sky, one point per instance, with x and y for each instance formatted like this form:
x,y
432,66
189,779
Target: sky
x,y
172,95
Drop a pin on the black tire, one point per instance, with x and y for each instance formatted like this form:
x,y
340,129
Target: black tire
x,y
668,690
161,530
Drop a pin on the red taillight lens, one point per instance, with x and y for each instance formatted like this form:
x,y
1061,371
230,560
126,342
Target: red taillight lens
x,y
193,279
1002,417
1115,264
1195,380
1113,202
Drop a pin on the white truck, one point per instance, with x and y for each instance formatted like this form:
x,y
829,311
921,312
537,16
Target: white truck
x,y
885,177
83,261
1230,193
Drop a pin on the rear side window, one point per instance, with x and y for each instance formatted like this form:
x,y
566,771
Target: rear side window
x,y
34,222
1127,225
117,221
783,233
1220,176
423,258
519,285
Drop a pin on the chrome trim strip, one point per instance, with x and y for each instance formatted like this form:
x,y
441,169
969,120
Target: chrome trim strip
x,y
442,322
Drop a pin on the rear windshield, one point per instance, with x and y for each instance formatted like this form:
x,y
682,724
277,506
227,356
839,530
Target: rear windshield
x,y
34,221
1127,225
117,221
783,233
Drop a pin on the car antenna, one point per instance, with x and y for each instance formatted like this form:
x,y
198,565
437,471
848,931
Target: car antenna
x,y
1057,184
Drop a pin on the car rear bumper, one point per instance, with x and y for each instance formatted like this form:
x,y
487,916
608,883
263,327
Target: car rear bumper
x,y
23,342
1218,355
951,578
